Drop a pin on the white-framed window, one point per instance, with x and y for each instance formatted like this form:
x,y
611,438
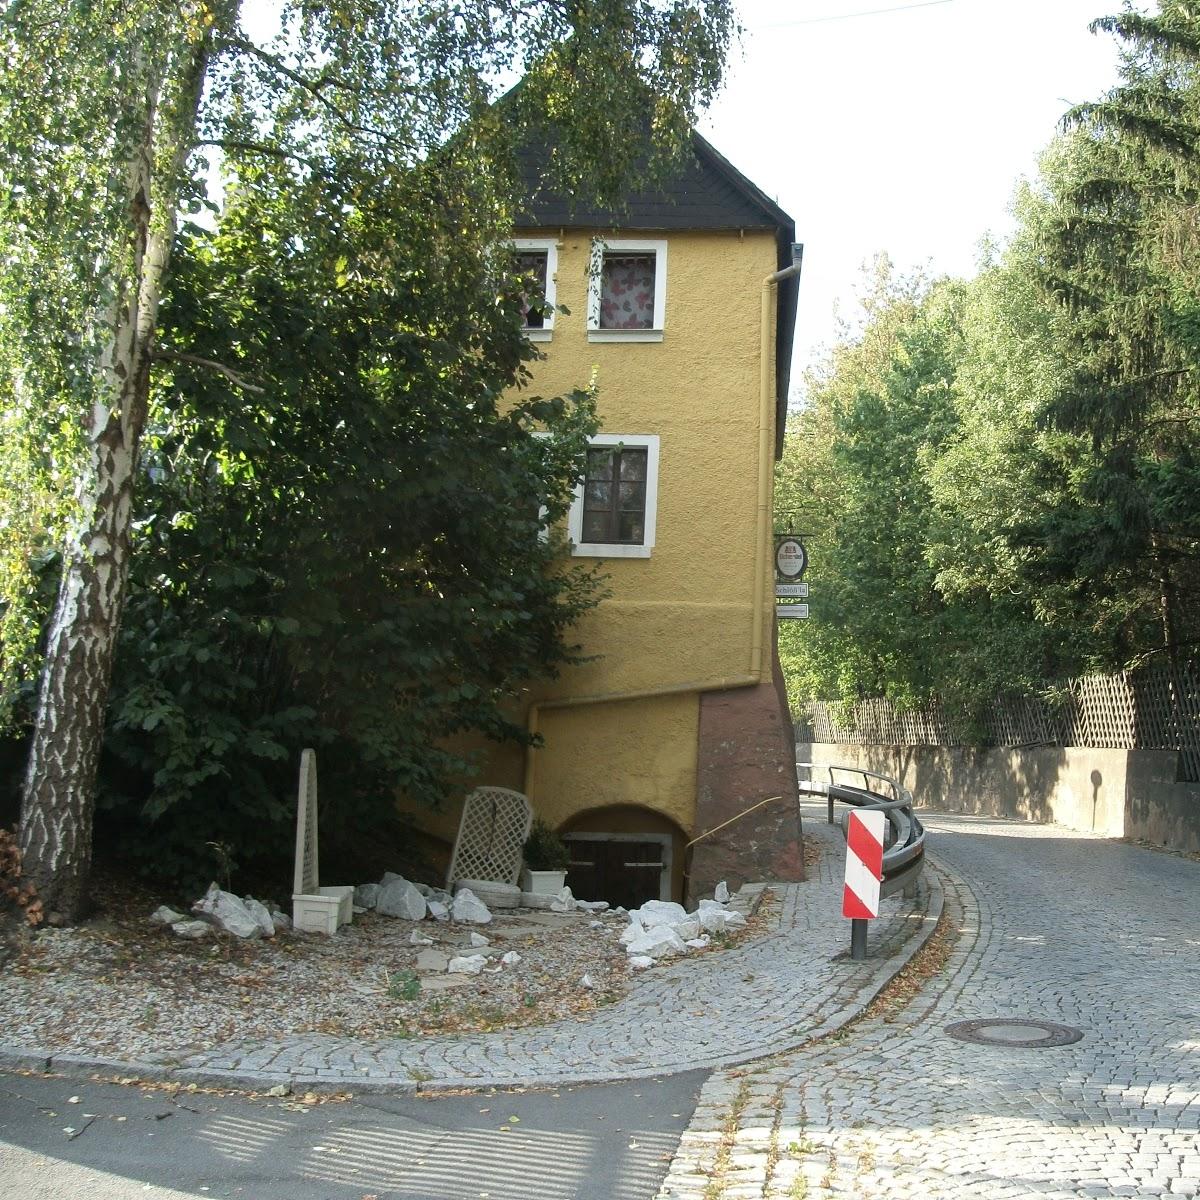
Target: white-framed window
x,y
538,257
627,290
615,508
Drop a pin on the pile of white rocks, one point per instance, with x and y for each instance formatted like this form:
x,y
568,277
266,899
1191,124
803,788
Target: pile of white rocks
x,y
395,896
392,896
663,929
243,917
479,956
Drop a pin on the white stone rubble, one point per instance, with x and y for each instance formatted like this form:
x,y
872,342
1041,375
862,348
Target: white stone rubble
x,y
399,898
662,929
469,908
661,912
227,912
366,895
715,918
659,941
192,930
163,915
721,893
261,914
466,964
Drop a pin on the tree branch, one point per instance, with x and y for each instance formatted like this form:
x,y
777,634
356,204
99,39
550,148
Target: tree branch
x,y
234,377
248,147
315,88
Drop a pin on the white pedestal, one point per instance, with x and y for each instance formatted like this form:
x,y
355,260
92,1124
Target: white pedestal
x,y
325,912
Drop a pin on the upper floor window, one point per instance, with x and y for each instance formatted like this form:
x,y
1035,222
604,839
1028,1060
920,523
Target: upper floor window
x,y
627,291
615,508
538,259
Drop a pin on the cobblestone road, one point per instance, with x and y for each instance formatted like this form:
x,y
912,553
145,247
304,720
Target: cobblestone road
x,y
773,993
1054,925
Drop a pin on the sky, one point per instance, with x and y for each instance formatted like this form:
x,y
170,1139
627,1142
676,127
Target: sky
x,y
893,126
903,132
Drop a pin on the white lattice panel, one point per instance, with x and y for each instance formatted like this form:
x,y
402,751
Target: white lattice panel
x,y
307,874
495,823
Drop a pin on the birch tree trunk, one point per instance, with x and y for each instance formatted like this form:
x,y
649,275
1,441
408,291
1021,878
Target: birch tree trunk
x,y
58,799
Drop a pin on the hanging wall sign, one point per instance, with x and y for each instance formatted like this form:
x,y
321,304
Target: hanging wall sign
x,y
790,558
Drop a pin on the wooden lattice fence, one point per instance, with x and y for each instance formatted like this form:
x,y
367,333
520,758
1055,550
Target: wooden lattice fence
x,y
1155,708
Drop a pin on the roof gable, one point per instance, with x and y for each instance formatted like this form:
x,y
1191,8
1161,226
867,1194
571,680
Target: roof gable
x,y
708,192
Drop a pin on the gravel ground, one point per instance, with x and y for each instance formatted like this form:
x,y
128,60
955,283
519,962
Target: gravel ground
x,y
118,986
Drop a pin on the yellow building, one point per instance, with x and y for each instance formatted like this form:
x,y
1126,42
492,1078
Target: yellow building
x,y
682,306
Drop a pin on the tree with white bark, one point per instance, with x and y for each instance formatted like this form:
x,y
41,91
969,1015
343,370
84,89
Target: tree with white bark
x,y
110,109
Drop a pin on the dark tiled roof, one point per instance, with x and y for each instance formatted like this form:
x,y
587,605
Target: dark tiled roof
x,y
708,193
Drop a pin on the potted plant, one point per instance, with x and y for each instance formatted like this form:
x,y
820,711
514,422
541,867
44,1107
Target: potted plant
x,y
546,860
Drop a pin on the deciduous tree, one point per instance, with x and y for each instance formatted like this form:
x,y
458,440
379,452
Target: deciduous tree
x,y
110,106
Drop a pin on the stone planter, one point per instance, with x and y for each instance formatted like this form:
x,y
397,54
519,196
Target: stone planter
x,y
542,883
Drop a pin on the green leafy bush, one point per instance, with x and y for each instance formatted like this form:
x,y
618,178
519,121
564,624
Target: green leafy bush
x,y
544,850
355,558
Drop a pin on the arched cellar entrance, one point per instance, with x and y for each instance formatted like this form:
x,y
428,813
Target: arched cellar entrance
x,y
624,854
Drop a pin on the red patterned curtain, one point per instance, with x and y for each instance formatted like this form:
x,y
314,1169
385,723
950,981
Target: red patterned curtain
x,y
627,291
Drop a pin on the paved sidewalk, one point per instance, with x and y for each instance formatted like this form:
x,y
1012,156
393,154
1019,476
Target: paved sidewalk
x,y
1055,925
765,996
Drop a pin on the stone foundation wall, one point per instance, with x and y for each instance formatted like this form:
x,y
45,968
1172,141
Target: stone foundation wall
x,y
746,753
1115,793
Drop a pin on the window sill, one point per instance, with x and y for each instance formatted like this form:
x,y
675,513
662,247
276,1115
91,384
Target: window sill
x,y
625,335
609,550
539,335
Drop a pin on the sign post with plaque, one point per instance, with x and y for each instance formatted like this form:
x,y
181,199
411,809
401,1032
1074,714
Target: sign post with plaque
x,y
791,561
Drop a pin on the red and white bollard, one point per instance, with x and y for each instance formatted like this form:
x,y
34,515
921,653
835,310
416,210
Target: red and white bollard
x,y
864,874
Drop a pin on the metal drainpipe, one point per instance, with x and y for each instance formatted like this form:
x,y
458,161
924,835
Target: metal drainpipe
x,y
755,675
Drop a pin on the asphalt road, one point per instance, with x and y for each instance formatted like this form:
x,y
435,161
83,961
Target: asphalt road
x,y
113,1142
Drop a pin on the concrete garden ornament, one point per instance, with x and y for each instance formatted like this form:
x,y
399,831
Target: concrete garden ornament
x,y
314,908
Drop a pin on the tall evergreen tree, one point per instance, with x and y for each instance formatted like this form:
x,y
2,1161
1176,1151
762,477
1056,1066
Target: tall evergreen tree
x,y
1122,255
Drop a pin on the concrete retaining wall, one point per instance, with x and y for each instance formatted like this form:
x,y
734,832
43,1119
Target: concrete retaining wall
x,y
1115,793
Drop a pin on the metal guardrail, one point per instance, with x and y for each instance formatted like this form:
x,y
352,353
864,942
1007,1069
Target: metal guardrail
x,y
904,835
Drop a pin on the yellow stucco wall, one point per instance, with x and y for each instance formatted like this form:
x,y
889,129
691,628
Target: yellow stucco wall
x,y
685,613
639,752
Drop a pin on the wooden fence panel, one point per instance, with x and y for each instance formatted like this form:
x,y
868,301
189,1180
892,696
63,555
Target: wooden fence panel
x,y
1153,708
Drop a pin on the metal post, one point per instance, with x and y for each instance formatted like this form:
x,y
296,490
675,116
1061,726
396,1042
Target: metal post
x,y
858,939
830,810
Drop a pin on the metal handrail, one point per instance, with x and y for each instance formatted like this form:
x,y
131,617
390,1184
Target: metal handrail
x,y
904,850
866,775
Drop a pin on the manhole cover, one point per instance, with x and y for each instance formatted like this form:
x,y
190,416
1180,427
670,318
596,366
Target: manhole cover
x,y
1006,1031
